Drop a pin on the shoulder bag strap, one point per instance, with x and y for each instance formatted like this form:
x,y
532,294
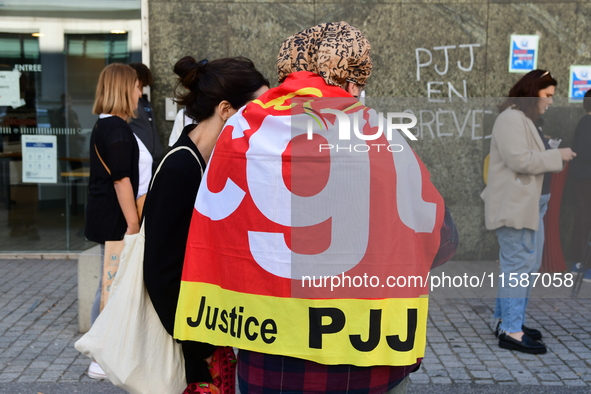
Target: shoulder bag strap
x,y
99,155
101,159
178,148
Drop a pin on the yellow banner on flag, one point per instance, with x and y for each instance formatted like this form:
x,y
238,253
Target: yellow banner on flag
x,y
361,332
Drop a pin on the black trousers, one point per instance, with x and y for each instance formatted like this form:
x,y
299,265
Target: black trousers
x,y
582,222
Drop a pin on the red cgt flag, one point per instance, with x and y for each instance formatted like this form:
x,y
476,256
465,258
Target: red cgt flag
x,y
310,238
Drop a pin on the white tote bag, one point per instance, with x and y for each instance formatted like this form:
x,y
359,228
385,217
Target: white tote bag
x,y
127,339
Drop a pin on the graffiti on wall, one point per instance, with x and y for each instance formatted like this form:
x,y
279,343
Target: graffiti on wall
x,y
452,121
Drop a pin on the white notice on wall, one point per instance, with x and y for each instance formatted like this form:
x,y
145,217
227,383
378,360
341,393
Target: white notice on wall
x,y
10,92
39,158
524,53
580,82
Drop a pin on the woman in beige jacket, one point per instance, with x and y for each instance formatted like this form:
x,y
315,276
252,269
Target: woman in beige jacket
x,y
516,199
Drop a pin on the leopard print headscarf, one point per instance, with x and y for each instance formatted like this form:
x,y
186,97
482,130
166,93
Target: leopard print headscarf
x,y
336,51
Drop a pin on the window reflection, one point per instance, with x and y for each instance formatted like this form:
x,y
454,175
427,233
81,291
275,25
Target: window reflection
x,y
59,67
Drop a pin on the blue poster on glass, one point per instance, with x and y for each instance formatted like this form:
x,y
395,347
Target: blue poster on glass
x,y
524,53
580,82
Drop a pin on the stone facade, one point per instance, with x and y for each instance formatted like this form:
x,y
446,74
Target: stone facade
x,y
404,35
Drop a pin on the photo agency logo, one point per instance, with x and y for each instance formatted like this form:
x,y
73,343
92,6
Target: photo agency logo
x,y
360,131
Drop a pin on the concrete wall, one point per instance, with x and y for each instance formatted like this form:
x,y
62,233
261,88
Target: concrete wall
x,y
396,28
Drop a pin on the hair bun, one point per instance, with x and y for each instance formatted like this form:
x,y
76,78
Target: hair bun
x,y
188,70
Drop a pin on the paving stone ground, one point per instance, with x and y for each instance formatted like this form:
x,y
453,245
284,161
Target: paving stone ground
x,y
38,322
38,328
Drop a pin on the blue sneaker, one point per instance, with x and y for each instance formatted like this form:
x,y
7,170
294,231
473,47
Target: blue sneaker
x,y
587,277
576,268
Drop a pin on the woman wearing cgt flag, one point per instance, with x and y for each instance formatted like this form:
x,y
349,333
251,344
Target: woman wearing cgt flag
x,y
275,209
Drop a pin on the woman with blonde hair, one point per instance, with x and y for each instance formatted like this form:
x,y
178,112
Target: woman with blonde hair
x,y
114,176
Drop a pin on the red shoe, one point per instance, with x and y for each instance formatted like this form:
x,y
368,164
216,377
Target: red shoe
x,y
223,369
201,388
